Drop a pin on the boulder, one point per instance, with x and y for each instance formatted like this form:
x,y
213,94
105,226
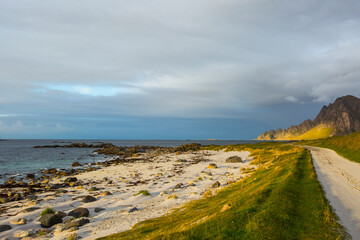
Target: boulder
x,y
212,166
30,176
216,184
70,179
16,197
61,214
4,200
99,209
179,185
31,209
76,223
76,164
106,193
20,221
49,220
79,212
51,171
234,159
4,228
92,189
88,199
24,233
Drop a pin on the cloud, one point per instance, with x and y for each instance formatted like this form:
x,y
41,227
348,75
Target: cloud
x,y
66,60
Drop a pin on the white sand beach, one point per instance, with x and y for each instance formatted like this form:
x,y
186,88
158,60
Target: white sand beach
x,y
170,179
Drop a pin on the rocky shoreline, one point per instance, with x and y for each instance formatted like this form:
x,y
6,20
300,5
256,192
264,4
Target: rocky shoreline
x,y
83,194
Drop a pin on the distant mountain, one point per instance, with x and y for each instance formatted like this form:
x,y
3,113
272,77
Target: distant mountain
x,y
339,118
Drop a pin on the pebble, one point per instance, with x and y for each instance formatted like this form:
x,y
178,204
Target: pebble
x,y
20,221
133,210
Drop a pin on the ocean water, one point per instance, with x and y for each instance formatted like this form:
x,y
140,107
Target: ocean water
x,y
18,157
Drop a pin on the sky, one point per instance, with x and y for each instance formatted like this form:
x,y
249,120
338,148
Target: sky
x,y
180,69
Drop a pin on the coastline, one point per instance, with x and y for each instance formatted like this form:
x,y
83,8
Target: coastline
x,y
171,179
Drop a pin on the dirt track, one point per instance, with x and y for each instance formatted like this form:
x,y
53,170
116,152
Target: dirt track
x,y
340,179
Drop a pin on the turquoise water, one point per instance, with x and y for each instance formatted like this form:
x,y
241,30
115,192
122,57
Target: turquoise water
x,y
18,157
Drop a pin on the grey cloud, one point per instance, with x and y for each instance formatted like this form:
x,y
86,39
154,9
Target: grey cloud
x,y
188,59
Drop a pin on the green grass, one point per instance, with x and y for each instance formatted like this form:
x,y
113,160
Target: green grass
x,y
144,192
347,146
47,211
281,200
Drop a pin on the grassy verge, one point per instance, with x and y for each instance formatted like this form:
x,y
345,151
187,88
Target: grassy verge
x,y
280,200
347,146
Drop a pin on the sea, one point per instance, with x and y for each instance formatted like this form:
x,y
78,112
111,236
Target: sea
x,y
19,157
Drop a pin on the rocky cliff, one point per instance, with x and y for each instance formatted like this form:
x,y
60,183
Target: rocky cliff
x,y
339,118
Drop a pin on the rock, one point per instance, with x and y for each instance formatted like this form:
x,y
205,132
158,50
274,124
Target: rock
x,y
133,210
188,147
92,189
75,223
30,176
49,220
225,207
179,185
99,209
42,232
107,193
31,197
71,179
24,233
51,171
216,184
45,181
20,221
212,166
61,214
16,197
31,209
4,228
71,236
79,212
234,159
88,199
73,229
4,200
76,164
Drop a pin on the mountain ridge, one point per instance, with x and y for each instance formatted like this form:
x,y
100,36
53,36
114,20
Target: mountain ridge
x,y
339,118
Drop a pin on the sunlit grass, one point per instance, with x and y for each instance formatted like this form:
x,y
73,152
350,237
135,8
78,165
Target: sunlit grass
x,y
282,199
314,133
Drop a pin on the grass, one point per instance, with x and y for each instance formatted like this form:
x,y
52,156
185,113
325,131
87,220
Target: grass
x,y
47,211
347,146
144,192
282,199
314,133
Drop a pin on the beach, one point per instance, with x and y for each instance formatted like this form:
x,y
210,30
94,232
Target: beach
x,y
122,194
